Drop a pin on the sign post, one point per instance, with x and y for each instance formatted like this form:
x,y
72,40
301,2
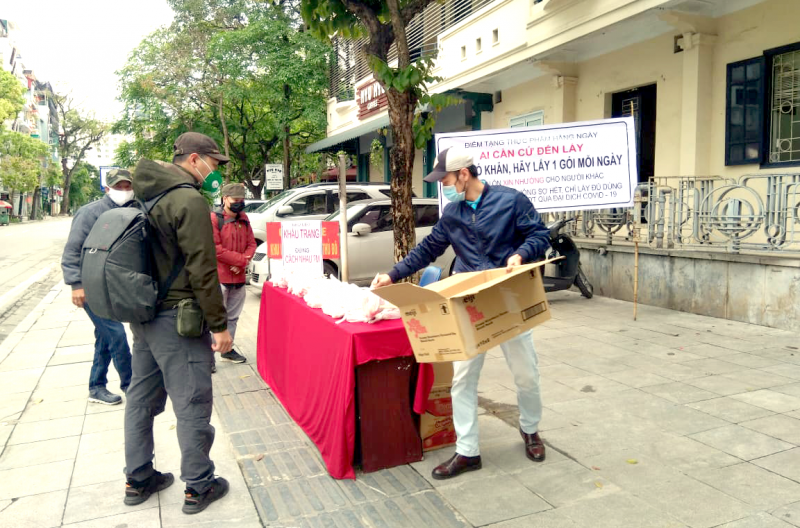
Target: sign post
x,y
273,174
344,271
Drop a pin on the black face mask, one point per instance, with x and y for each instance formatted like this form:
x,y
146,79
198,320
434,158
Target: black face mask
x,y
237,207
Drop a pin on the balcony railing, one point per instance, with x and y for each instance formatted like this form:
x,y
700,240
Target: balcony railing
x,y
349,62
757,213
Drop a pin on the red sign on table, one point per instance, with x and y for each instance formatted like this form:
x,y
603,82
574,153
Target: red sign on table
x,y
330,240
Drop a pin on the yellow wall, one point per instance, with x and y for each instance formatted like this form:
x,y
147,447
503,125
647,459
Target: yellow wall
x,y
523,99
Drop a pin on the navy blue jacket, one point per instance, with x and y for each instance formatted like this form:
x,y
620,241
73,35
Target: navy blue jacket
x,y
503,224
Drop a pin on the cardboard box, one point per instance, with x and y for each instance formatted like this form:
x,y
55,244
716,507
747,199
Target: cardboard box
x,y
467,314
436,425
442,374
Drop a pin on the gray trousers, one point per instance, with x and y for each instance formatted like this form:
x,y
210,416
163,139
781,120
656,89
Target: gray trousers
x,y
234,304
165,363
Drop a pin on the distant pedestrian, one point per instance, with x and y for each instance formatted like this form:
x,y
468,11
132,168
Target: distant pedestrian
x,y
111,343
173,354
236,246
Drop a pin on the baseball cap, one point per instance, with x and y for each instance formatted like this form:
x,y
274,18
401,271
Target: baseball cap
x,y
234,190
115,176
197,143
450,159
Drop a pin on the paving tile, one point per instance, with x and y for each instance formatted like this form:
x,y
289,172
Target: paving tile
x,y
778,426
565,482
757,379
109,421
102,443
393,482
618,510
593,438
147,518
11,407
678,392
741,442
545,519
20,380
710,366
751,484
720,385
681,454
596,365
784,369
785,463
710,351
283,465
771,400
25,360
593,384
789,514
34,511
46,430
46,410
758,520
93,469
562,372
730,410
95,501
35,480
62,394
636,378
753,361
492,499
509,455
65,375
35,453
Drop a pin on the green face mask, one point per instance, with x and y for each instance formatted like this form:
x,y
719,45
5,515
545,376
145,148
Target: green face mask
x,y
212,182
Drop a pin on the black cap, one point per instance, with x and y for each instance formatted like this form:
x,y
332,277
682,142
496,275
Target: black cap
x,y
197,143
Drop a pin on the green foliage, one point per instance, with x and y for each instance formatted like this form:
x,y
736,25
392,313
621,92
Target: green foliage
x,y
20,160
11,95
237,66
84,186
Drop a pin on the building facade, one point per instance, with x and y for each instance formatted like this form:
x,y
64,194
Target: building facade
x,y
714,89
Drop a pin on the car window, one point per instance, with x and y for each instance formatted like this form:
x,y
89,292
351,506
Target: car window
x,y
352,196
266,205
252,207
388,192
310,204
426,215
378,217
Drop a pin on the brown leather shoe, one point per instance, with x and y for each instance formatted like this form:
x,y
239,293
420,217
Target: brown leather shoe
x,y
534,448
457,465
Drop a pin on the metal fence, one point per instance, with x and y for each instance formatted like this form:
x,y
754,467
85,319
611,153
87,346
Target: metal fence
x,y
754,214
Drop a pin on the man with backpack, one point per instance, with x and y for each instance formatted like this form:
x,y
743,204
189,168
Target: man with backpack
x,y
173,353
236,245
111,343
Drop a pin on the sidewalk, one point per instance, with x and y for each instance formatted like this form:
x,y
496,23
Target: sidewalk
x,y
676,420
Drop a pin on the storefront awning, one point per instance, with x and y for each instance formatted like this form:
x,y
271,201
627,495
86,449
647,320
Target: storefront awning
x,y
341,137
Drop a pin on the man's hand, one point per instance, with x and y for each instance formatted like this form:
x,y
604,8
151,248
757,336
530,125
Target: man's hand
x,y
223,342
513,261
236,270
78,297
380,281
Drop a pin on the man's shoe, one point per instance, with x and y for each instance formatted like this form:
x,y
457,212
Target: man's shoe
x,y
213,368
455,466
233,356
138,492
197,502
102,395
534,448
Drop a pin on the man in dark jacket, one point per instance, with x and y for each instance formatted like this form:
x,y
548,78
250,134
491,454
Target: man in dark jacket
x,y
488,227
236,245
111,343
164,362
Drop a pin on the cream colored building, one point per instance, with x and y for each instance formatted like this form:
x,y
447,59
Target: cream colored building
x,y
714,87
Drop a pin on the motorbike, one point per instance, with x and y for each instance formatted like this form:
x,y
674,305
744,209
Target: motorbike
x,y
567,271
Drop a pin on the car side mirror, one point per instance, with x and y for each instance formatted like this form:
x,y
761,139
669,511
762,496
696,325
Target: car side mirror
x,y
361,229
284,210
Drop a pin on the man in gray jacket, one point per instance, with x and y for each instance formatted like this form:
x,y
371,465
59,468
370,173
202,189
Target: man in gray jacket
x,y
110,340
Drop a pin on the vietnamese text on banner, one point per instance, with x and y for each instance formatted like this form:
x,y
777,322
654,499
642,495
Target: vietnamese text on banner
x,y
564,167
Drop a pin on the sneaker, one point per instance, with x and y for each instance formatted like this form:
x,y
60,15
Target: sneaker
x,y
138,492
233,356
102,395
197,502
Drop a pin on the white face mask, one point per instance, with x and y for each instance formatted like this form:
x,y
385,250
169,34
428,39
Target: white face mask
x,y
120,197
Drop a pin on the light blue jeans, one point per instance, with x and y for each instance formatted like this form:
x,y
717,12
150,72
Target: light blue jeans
x,y
521,358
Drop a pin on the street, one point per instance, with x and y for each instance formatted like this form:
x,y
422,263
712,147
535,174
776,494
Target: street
x,y
30,256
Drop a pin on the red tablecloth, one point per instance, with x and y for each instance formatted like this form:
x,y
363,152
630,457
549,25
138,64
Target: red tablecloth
x,y
309,363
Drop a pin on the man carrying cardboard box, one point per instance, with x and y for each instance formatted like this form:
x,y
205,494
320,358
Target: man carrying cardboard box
x,y
488,227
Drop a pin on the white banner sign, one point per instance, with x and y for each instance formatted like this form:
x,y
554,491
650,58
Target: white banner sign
x,y
274,177
301,249
104,170
565,167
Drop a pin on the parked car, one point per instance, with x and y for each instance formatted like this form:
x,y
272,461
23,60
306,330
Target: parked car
x,y
310,202
370,241
250,206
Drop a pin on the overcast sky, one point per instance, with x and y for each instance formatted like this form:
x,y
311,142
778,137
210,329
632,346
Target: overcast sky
x,y
79,44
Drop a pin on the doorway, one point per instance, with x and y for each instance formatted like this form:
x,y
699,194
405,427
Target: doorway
x,y
641,104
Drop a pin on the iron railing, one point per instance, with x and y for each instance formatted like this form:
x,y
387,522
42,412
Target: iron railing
x,y
349,63
757,213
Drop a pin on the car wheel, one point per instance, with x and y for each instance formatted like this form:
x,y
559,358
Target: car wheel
x,y
329,270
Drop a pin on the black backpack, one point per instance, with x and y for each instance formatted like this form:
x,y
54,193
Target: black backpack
x,y
116,264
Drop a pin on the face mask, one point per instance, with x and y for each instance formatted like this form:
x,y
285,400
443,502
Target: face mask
x,y
450,192
120,197
213,181
236,207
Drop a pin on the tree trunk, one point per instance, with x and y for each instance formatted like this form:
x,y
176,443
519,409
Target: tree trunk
x,y
401,113
287,158
225,139
65,189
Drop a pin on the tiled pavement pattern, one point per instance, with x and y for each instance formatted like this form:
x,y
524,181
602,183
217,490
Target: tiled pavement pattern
x,y
675,420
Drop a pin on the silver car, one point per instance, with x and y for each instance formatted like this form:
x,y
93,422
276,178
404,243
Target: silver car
x,y
370,241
